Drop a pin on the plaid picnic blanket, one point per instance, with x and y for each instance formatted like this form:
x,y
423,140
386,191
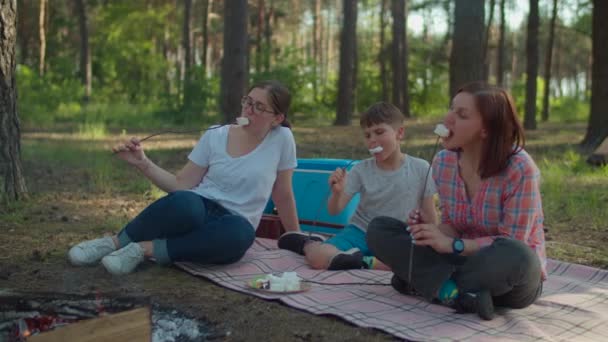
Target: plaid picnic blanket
x,y
574,304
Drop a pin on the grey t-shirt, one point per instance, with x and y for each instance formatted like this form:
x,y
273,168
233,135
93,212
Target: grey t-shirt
x,y
387,193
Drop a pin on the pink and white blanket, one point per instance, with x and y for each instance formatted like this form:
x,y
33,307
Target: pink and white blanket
x,y
574,304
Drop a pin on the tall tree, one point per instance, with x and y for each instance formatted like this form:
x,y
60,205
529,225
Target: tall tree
x,y
347,73
234,61
42,35
466,59
268,17
399,57
187,46
259,50
597,128
382,53
486,42
11,170
205,28
25,28
316,45
85,51
548,58
501,51
531,66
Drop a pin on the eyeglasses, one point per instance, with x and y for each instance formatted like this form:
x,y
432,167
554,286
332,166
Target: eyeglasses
x,y
258,107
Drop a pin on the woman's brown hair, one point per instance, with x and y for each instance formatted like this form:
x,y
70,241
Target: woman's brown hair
x,y
278,96
505,134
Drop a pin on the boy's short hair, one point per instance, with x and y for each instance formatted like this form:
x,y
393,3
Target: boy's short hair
x,y
381,112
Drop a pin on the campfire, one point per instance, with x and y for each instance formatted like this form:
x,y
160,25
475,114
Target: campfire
x,y
25,317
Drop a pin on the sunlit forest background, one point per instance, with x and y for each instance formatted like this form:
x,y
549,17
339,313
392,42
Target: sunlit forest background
x,y
101,65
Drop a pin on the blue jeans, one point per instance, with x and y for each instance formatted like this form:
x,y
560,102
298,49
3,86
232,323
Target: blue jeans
x,y
184,226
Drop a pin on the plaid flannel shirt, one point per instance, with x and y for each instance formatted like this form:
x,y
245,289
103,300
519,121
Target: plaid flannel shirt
x,y
506,205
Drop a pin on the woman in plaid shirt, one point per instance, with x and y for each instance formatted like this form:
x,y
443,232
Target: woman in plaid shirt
x,y
489,249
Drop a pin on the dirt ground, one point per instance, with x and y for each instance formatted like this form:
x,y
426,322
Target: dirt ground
x,y
233,316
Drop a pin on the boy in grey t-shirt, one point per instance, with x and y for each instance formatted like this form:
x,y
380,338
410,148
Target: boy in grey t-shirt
x,y
391,183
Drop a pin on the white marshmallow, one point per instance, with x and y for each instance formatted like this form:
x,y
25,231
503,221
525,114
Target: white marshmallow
x,y
442,131
375,150
288,281
242,121
277,286
291,285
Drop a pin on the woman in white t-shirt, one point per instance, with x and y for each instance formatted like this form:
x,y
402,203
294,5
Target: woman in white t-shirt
x,y
216,200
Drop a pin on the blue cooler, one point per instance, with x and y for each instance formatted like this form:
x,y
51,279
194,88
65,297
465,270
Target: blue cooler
x,y
312,191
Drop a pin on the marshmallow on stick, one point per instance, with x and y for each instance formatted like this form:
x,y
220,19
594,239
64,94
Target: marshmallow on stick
x,y
442,131
242,121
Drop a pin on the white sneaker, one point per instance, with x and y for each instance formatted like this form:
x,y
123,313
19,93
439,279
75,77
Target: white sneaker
x,y
90,252
124,260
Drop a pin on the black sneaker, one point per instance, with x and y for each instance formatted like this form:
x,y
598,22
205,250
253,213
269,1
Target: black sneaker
x,y
295,241
403,286
351,259
476,302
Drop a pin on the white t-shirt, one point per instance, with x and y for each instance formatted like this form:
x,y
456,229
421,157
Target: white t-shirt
x,y
388,193
243,184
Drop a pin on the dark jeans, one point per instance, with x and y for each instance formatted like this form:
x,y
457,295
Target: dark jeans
x,y
185,226
508,268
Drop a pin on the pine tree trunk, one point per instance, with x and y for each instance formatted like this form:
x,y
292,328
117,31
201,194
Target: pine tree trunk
x,y
405,92
347,73
531,66
466,60
187,46
397,49
85,52
42,35
382,53
597,129
486,43
259,53
234,73
268,36
548,58
12,183
205,32
316,47
500,62
24,27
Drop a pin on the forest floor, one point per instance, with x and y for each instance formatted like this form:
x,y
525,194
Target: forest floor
x,y
80,191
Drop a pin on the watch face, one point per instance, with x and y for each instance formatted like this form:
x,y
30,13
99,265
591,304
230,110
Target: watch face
x,y
458,246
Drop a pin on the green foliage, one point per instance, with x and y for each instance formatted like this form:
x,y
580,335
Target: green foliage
x,y
518,91
137,82
128,58
203,98
568,110
296,74
41,98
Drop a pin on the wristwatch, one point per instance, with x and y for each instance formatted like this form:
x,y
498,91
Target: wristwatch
x,y
457,246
